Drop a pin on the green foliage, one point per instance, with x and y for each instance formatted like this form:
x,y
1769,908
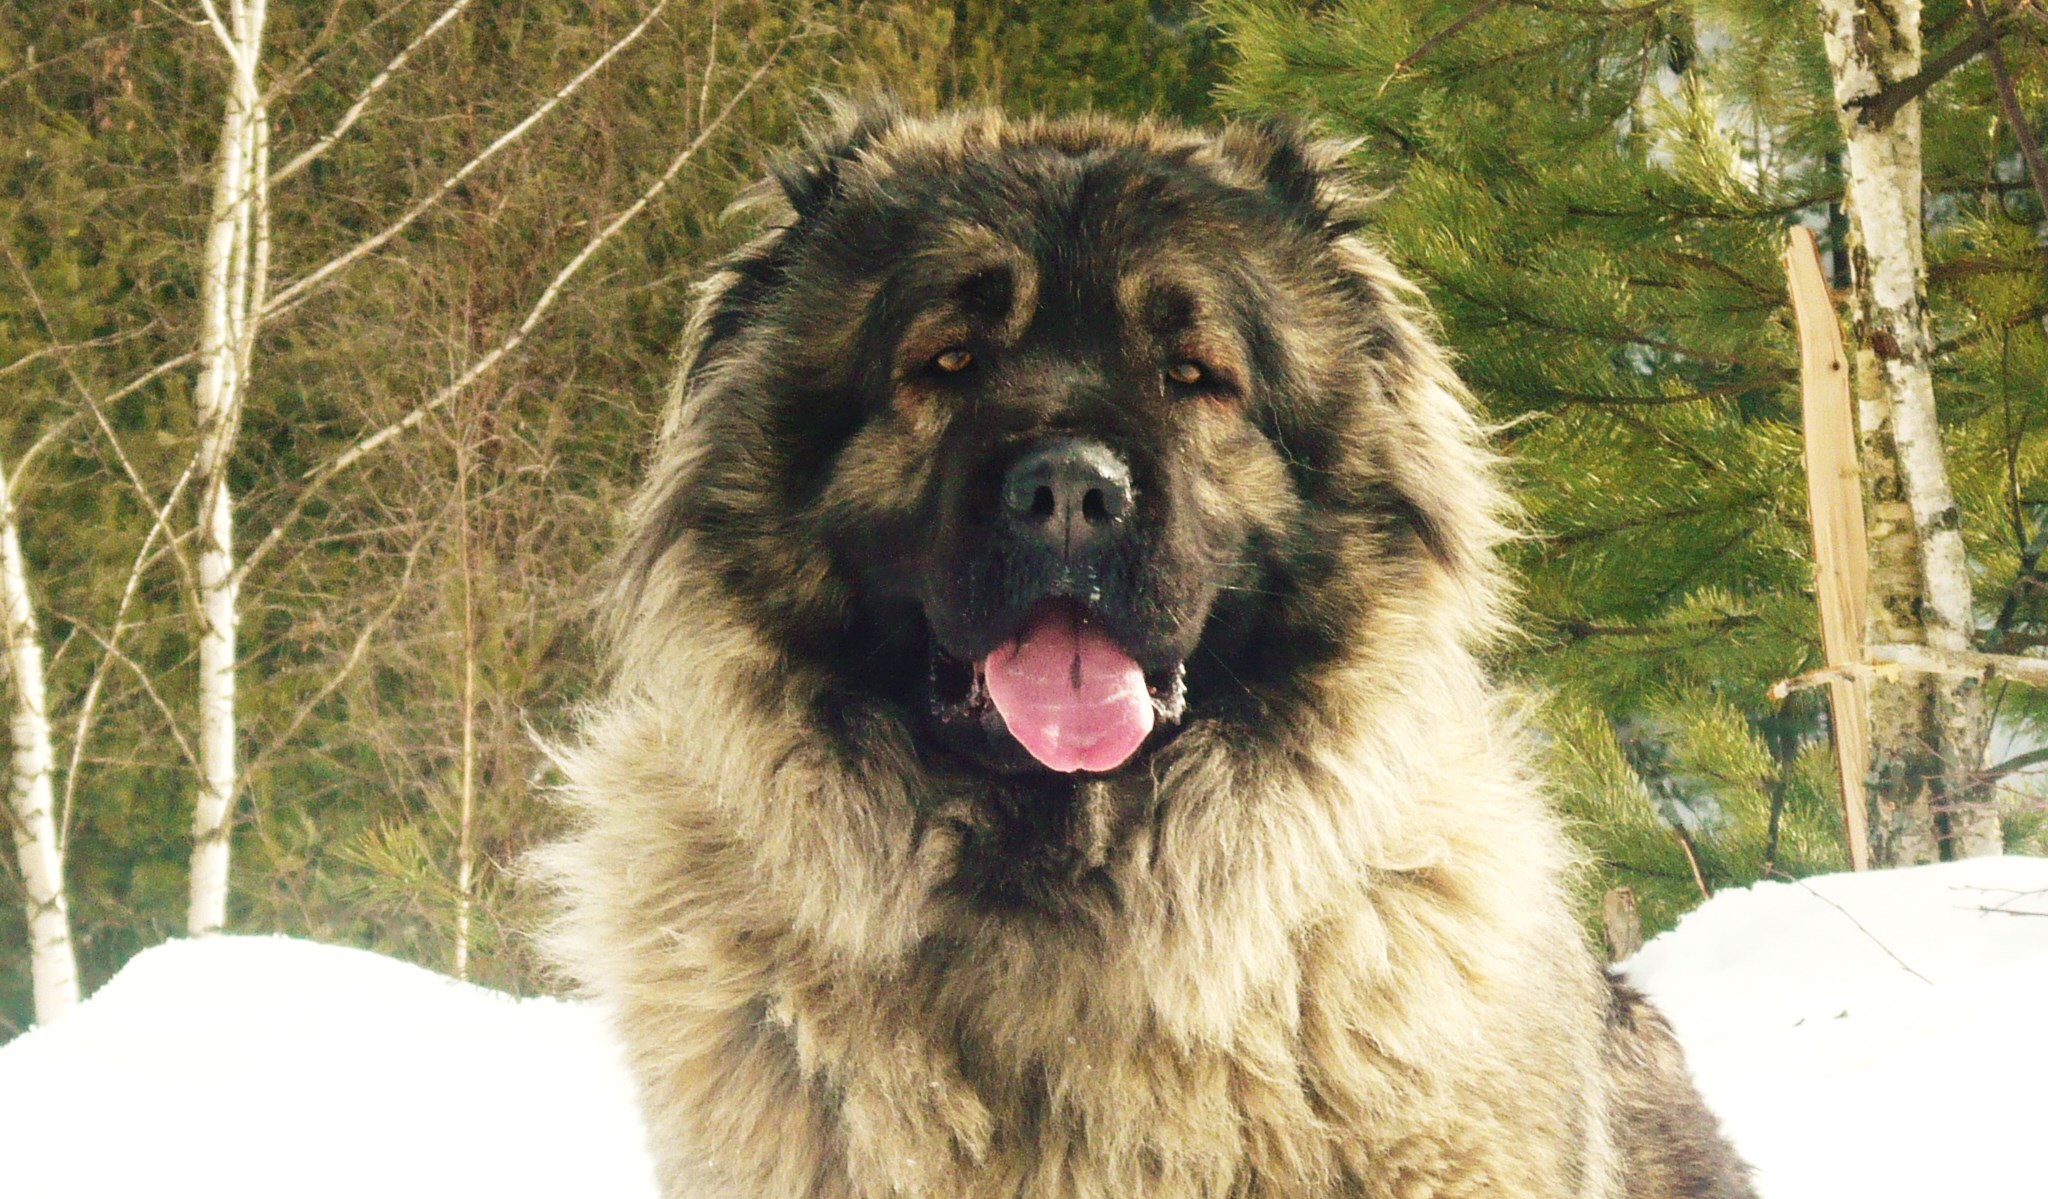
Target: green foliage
x,y
1134,57
1595,198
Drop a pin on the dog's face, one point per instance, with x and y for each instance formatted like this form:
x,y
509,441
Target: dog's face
x,y
1047,441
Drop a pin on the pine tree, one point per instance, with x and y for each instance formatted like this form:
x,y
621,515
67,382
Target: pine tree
x,y
1595,199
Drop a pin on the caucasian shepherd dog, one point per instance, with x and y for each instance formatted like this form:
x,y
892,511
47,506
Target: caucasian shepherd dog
x,y
1046,755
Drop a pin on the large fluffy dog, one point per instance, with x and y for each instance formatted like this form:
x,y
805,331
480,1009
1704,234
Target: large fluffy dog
x,y
1046,756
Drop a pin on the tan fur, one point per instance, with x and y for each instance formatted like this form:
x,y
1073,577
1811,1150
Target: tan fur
x,y
1341,961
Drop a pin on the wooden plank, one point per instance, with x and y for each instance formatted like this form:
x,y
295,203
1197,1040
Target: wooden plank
x,y
1834,496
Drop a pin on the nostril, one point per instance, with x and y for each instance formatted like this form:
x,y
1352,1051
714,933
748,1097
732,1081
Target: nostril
x,y
1043,503
1094,507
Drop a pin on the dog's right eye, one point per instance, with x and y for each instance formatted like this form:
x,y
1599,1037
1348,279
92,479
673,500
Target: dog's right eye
x,y
952,362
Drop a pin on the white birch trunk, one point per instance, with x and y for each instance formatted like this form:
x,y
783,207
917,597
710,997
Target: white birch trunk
x,y
53,968
1926,792
236,255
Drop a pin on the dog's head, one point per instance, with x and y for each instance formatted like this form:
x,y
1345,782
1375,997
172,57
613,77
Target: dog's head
x,y
1047,440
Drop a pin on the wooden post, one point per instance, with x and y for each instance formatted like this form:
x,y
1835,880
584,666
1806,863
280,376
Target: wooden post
x,y
1834,496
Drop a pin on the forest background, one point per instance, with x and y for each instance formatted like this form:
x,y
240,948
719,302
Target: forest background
x,y
438,431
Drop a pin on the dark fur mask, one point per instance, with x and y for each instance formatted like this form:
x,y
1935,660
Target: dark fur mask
x,y
1196,306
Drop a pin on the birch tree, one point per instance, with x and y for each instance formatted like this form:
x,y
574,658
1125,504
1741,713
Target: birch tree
x,y
230,297
1928,733
233,303
31,798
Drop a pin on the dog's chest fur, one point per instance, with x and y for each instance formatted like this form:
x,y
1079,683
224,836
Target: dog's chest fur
x,y
1201,1028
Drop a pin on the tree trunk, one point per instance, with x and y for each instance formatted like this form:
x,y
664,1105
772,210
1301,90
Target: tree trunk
x,y
236,256
1927,734
465,856
53,968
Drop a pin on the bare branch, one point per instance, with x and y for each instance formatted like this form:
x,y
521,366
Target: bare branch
x,y
348,665
299,291
81,728
369,245
2030,150
48,438
1888,663
93,406
1877,109
710,66
2015,764
318,479
1866,932
1438,38
148,688
220,31
362,102
52,350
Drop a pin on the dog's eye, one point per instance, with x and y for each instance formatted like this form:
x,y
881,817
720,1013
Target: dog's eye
x,y
1187,374
952,362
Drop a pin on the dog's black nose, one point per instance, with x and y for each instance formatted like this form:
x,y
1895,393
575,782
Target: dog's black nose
x,y
1067,493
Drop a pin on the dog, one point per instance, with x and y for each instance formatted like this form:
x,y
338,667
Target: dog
x,y
1048,752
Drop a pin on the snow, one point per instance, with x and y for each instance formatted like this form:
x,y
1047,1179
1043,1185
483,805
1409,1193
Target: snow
x,y
262,1067
1876,1035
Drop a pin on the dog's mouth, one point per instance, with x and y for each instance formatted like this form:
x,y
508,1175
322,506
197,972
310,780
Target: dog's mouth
x,y
1060,694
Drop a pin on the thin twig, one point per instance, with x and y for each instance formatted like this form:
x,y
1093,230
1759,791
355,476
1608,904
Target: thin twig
x,y
362,102
319,478
1692,859
1866,932
161,513
148,688
81,728
1438,38
2030,150
348,665
375,241
53,350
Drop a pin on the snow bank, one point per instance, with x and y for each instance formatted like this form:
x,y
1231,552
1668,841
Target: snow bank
x,y
264,1067
1874,1035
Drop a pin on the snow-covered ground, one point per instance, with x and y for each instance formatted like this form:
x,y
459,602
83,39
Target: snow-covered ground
x,y
1872,1035
268,1068
1875,1036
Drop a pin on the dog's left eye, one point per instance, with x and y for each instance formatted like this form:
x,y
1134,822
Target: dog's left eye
x,y
1187,374
952,362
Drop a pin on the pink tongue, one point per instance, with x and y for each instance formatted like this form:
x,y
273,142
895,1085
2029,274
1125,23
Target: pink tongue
x,y
1069,695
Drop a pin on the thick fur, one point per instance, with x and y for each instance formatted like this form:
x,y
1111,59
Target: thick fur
x,y
1314,942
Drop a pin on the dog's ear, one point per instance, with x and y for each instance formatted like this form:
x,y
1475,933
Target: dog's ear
x,y
1303,173
810,178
